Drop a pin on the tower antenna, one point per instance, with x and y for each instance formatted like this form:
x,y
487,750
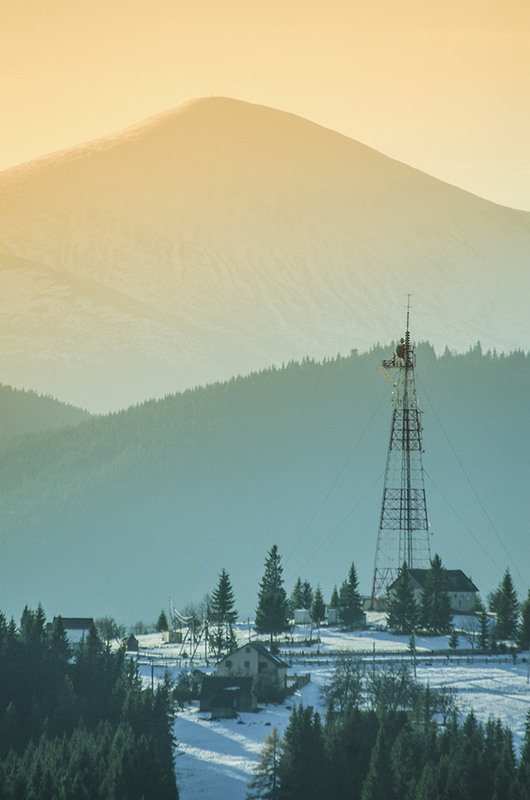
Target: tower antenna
x,y
403,533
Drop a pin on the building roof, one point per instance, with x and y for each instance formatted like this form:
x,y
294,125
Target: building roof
x,y
457,581
76,623
213,688
262,650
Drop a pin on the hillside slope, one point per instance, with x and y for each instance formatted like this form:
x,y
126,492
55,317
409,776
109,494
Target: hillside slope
x,y
123,511
24,412
222,237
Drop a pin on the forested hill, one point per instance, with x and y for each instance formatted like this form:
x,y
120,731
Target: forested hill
x,y
120,512
26,412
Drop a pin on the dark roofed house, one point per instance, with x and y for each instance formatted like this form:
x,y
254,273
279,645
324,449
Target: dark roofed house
x,y
76,629
462,590
225,697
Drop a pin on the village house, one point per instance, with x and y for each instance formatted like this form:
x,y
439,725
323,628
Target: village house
x,y
254,660
76,629
461,589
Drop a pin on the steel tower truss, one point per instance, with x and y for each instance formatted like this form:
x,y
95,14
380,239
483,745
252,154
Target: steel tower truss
x,y
403,526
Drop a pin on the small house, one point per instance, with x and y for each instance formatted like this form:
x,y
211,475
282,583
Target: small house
x,y
253,660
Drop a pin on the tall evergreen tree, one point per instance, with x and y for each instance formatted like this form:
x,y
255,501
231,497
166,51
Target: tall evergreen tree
x,y
296,598
272,611
507,608
334,600
350,601
307,595
483,636
303,773
436,613
523,636
318,607
223,614
162,623
403,613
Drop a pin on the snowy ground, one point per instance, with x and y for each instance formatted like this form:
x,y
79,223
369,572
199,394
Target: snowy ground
x,y
215,759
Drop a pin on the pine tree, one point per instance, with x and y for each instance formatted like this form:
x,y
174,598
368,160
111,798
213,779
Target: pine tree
x,y
436,613
295,601
223,614
302,769
318,607
453,640
265,783
483,636
523,637
334,601
507,607
350,601
307,595
162,623
272,610
403,614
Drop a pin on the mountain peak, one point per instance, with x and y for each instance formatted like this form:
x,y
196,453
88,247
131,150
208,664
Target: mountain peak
x,y
221,236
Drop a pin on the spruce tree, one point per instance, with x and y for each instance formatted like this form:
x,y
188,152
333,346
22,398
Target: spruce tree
x,y
296,599
523,636
307,595
402,614
436,613
272,611
318,607
483,636
507,608
223,614
350,601
162,623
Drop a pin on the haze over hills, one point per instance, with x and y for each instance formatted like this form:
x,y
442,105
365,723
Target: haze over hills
x,y
119,513
222,237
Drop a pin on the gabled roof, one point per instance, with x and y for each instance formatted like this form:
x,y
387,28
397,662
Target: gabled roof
x,y
457,581
74,623
262,650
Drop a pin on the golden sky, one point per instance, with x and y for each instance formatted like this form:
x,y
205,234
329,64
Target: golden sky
x,y
442,86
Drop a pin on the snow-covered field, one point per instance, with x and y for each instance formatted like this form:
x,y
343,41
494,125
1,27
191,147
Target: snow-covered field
x,y
215,759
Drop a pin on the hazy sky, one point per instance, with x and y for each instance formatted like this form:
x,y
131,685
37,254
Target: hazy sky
x,y
443,86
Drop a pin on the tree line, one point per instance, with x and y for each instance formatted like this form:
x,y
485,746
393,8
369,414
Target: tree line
x,y
385,737
79,727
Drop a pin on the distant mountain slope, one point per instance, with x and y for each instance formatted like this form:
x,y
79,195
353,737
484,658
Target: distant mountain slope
x,y
123,511
26,412
222,237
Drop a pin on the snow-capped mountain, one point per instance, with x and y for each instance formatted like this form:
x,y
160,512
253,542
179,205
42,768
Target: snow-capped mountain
x,y
221,237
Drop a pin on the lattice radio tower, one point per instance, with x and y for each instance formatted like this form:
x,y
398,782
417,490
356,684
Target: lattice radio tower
x,y
403,526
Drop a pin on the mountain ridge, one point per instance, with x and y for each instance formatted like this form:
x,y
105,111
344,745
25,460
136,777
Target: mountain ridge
x,y
223,237
124,510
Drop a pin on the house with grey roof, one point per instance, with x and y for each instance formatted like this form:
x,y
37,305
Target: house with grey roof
x,y
462,591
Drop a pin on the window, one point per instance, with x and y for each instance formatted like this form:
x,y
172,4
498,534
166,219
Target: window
x,y
247,664
247,649
228,664
262,666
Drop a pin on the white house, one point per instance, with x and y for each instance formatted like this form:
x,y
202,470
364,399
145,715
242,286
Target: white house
x,y
255,661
